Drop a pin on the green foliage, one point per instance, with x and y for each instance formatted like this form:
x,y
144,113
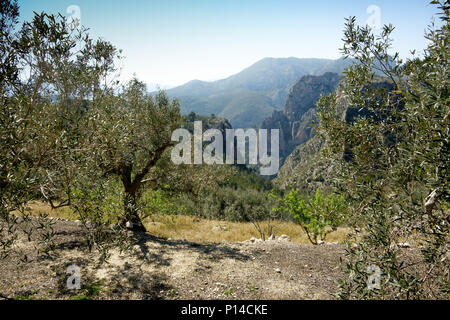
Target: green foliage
x,y
90,292
161,202
238,195
234,204
318,215
216,192
228,292
208,122
389,138
253,288
247,179
129,133
67,125
48,75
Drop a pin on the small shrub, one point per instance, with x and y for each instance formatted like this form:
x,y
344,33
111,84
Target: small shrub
x,y
318,215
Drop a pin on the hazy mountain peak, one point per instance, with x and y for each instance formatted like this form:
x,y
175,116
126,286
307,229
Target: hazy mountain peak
x,y
248,97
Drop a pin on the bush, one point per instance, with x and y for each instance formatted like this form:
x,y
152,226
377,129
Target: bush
x,y
231,204
318,215
161,202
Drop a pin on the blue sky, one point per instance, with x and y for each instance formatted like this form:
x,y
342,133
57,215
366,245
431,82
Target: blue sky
x,y
169,42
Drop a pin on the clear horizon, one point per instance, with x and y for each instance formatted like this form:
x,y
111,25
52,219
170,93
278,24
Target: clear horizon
x,y
169,43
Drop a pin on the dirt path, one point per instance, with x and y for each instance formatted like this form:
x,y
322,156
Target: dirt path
x,y
165,269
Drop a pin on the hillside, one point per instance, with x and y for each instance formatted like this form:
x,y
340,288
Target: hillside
x,y
305,168
295,121
250,96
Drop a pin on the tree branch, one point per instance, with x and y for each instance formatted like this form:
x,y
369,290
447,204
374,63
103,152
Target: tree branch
x,y
156,156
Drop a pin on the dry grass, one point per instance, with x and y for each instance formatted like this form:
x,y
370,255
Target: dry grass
x,y
36,208
199,230
202,230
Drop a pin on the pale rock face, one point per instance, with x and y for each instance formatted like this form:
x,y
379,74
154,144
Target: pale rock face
x,y
219,228
431,201
294,121
129,225
284,237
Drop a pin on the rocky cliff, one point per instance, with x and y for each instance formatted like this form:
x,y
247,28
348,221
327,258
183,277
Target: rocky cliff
x,y
295,121
305,168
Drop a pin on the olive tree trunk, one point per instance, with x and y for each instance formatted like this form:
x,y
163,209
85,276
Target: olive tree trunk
x,y
131,217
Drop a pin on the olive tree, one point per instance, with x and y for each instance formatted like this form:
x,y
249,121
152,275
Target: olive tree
x,y
392,158
129,133
51,76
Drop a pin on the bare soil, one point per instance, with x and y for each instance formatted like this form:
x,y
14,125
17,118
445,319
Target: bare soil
x,y
159,268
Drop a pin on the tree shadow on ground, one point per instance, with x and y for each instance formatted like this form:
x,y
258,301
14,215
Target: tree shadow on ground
x,y
128,279
210,251
123,282
136,284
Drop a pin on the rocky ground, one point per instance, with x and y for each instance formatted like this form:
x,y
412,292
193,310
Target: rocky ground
x,y
158,268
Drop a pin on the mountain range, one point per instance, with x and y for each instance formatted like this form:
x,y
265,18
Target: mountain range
x,y
252,95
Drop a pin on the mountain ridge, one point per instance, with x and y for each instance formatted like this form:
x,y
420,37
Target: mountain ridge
x,y
248,97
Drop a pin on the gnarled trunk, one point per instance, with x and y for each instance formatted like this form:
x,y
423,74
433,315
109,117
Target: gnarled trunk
x,y
131,217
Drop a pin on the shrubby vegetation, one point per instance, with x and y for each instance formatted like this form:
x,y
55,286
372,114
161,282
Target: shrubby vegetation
x,y
216,192
318,215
